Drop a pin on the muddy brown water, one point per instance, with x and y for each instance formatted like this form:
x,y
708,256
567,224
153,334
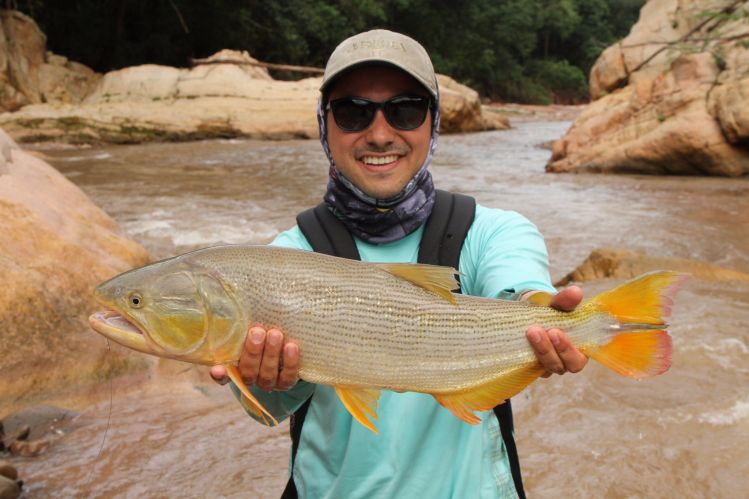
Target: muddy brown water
x,y
683,434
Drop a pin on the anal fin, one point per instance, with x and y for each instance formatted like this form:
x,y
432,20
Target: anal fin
x,y
361,403
248,399
463,404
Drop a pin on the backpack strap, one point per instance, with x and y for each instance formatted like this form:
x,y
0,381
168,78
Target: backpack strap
x,y
446,229
444,233
326,234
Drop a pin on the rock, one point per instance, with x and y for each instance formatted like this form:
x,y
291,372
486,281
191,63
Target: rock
x,y
461,110
21,433
152,103
9,489
614,263
685,111
29,448
31,75
56,246
8,470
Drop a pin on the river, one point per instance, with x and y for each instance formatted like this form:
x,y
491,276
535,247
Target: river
x,y
170,432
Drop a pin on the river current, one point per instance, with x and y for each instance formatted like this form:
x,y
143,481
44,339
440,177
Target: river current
x,y
171,432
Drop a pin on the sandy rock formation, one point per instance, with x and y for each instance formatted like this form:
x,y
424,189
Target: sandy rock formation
x,y
150,102
668,107
31,75
461,110
616,263
9,488
56,245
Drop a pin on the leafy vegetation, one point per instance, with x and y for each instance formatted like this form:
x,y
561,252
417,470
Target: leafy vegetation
x,y
519,50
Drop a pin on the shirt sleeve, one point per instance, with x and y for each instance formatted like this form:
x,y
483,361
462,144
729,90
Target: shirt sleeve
x,y
282,404
503,256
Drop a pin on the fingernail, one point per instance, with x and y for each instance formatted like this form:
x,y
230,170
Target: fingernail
x,y
274,338
257,336
534,336
554,337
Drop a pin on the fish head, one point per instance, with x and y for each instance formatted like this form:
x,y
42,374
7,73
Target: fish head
x,y
174,308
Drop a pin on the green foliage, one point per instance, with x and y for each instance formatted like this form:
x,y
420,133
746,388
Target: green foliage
x,y
565,81
517,50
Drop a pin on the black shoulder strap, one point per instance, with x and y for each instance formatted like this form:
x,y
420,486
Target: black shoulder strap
x,y
326,234
446,229
444,234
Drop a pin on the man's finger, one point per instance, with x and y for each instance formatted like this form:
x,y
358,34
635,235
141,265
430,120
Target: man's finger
x,y
572,358
567,299
252,355
542,345
268,374
218,373
289,374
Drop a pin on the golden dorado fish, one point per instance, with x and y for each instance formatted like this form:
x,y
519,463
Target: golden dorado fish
x,y
363,327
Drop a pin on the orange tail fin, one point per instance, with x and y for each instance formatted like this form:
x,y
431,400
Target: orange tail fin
x,y
643,349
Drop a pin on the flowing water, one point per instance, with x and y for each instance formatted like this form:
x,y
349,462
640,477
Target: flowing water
x,y
684,434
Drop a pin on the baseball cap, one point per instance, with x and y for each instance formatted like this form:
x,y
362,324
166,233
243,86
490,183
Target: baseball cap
x,y
381,46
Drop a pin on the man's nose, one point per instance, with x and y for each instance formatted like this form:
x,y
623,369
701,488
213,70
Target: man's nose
x,y
380,132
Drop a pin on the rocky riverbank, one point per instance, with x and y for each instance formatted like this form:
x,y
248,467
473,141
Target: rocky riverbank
x,y
225,96
56,246
670,98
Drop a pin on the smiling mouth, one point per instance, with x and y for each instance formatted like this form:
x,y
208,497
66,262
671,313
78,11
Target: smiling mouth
x,y
379,160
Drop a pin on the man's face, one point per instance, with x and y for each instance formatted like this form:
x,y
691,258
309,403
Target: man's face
x,y
381,159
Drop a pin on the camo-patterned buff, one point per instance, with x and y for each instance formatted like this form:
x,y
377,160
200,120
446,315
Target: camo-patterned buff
x,y
379,221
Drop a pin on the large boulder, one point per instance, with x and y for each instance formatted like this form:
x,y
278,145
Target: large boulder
x,y
618,263
56,245
672,97
461,110
227,95
31,75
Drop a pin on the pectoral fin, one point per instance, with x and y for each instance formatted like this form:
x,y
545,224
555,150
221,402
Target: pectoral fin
x,y
248,400
434,278
361,403
487,396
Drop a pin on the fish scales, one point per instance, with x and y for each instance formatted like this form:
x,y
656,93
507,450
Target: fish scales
x,y
370,328
362,325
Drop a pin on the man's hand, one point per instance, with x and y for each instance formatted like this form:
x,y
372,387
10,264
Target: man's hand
x,y
265,361
553,348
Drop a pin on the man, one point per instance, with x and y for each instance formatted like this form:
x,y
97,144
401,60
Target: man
x,y
379,117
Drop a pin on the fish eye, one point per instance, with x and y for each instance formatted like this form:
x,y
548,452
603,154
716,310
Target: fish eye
x,y
135,300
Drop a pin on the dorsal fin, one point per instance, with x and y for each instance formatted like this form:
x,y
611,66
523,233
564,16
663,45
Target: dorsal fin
x,y
434,278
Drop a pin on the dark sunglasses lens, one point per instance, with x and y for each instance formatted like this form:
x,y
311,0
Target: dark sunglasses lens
x,y
353,115
406,113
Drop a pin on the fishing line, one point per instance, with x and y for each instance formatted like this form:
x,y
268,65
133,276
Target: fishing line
x,y
109,419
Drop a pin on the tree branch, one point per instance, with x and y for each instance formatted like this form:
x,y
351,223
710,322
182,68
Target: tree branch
x,y
281,67
723,39
727,10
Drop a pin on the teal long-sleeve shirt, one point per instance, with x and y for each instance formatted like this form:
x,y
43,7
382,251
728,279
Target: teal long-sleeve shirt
x,y
422,450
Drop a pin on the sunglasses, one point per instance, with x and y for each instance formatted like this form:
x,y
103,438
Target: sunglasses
x,y
404,112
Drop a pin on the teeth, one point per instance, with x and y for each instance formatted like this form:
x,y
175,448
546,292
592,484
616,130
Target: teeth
x,y
379,160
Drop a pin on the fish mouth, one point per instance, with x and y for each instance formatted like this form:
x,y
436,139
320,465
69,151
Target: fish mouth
x,y
117,327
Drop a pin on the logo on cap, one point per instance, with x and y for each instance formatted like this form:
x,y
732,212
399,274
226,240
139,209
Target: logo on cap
x,y
377,45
